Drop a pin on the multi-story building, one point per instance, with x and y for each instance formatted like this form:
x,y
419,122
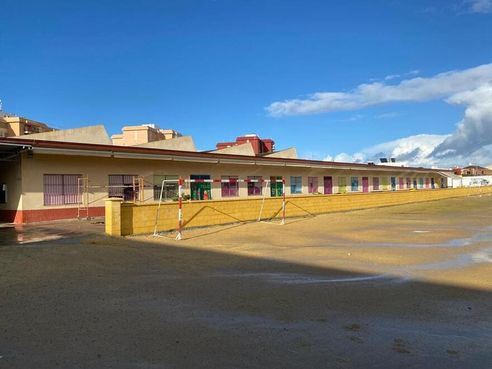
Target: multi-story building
x,y
14,126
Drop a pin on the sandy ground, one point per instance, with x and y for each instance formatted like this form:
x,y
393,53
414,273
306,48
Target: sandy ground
x,y
399,287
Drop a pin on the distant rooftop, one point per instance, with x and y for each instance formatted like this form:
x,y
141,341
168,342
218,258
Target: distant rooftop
x,y
260,146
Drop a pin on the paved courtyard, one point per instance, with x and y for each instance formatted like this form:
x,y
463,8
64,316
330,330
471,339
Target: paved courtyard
x,y
399,287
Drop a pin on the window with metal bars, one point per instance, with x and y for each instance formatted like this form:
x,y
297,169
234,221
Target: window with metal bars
x,y
169,186
375,184
123,186
354,184
255,188
230,188
312,184
295,184
61,189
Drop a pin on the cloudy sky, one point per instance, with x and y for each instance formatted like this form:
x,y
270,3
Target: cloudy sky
x,y
350,80
470,141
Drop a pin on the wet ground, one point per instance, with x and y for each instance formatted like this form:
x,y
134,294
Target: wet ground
x,y
24,234
401,287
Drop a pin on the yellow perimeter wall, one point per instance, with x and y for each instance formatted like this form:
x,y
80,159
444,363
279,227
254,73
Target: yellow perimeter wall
x,y
124,219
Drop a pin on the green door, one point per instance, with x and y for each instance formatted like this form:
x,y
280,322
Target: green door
x,y
275,187
198,189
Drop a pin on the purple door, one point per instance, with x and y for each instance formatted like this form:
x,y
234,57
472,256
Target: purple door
x,y
328,185
365,184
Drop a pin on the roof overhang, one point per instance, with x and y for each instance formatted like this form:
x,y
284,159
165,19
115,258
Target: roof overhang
x,y
450,175
10,151
11,147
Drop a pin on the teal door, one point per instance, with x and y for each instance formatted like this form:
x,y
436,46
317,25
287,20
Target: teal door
x,y
393,183
200,190
275,186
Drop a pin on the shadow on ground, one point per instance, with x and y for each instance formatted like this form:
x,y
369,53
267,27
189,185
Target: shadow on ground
x,y
89,301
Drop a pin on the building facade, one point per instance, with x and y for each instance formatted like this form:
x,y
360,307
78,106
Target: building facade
x,y
46,180
14,126
476,170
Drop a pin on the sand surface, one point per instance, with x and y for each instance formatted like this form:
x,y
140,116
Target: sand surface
x,y
399,287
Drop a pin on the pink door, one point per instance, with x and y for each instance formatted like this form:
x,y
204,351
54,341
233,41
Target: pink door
x,y
328,185
365,184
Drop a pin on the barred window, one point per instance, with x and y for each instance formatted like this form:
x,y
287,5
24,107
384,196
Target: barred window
x,y
375,183
231,188
295,184
61,189
255,188
169,186
354,184
312,184
123,186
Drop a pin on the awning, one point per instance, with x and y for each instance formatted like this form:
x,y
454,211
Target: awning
x,y
9,151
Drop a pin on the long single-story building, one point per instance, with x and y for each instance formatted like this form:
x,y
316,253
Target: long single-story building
x,y
61,175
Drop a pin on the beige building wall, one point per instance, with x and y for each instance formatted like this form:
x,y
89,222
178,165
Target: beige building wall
x,y
243,149
10,175
91,134
290,153
182,143
97,170
170,133
138,135
5,129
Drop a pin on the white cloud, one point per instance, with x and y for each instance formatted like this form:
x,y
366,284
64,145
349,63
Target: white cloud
x,y
391,76
395,76
408,151
440,86
388,115
349,158
471,141
480,6
475,129
418,151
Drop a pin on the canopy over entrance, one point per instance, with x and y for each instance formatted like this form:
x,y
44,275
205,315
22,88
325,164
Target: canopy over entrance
x,y
9,151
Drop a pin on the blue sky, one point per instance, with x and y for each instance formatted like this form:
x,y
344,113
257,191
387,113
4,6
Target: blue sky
x,y
219,69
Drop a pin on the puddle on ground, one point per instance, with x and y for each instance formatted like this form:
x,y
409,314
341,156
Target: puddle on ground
x,y
295,278
483,235
459,261
15,236
483,256
476,238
